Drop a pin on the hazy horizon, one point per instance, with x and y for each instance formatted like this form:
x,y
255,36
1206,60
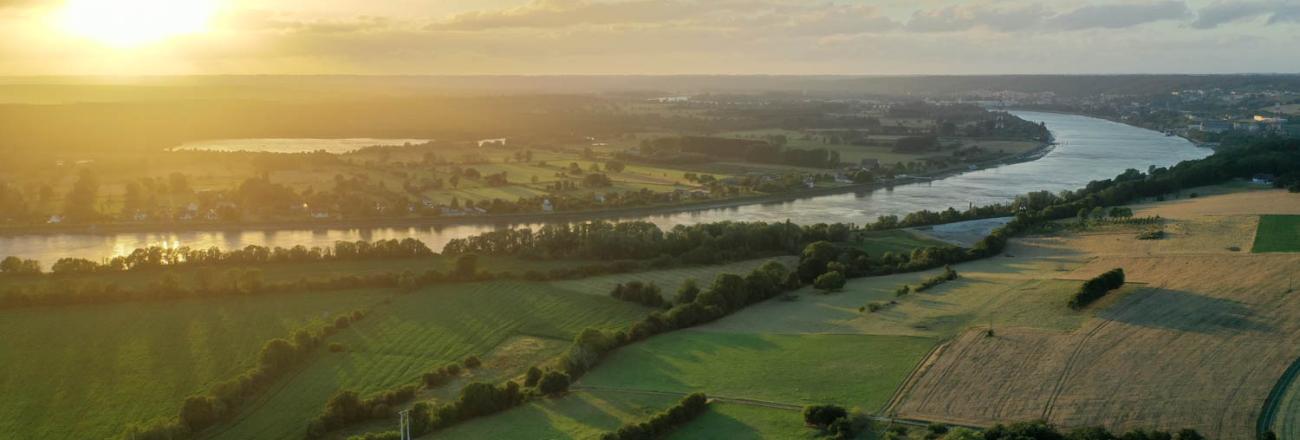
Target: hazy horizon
x,y
645,37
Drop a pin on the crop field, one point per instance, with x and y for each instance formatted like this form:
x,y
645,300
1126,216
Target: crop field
x,y
583,414
1278,233
1188,344
427,329
87,371
851,370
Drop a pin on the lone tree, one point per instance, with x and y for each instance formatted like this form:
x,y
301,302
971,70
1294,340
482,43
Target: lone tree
x,y
829,281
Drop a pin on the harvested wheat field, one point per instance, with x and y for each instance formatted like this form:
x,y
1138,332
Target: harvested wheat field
x,y
1196,340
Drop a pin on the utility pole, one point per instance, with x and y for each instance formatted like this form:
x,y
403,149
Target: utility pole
x,y
404,424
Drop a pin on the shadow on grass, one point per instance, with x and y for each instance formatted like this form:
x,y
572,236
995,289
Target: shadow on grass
x,y
714,424
1184,311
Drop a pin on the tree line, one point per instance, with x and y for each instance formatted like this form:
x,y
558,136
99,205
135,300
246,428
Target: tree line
x,y
1041,430
704,243
211,282
154,257
222,402
664,422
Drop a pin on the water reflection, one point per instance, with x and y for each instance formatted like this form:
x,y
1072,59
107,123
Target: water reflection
x,y
1089,149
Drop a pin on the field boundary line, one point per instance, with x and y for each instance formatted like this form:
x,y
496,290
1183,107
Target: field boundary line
x,y
913,377
1268,413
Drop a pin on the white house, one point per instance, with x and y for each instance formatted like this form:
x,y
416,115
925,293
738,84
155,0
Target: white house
x,y
55,219
547,206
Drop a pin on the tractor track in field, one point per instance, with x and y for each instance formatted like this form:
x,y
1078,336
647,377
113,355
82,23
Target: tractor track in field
x,y
1069,366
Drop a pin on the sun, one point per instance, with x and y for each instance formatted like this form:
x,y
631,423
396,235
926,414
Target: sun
x,y
130,23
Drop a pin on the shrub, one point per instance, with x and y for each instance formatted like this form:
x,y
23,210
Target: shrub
x,y
646,294
534,374
947,275
1156,234
337,347
1097,287
829,281
441,376
553,382
687,292
821,416
199,412
472,362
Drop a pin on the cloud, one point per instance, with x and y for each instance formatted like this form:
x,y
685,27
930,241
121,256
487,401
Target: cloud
x,y
961,18
564,13
271,21
1227,11
1120,15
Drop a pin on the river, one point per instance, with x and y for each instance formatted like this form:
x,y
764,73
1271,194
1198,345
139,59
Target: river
x,y
1087,149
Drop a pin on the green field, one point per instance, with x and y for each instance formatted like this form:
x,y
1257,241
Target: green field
x,y
415,333
86,371
1277,233
737,422
850,370
579,414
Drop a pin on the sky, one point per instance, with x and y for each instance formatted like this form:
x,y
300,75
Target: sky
x,y
547,37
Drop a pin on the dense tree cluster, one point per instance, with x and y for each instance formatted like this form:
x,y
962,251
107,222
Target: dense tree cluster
x,y
692,244
18,266
834,421
1097,287
646,294
659,425
277,357
156,256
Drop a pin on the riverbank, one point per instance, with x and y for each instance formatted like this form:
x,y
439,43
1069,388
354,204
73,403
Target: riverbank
x,y
519,219
1200,144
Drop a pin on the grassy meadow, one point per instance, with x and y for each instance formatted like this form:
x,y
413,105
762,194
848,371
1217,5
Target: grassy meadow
x,y
1277,233
849,370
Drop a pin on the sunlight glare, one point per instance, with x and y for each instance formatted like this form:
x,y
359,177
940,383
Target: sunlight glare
x,y
129,23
